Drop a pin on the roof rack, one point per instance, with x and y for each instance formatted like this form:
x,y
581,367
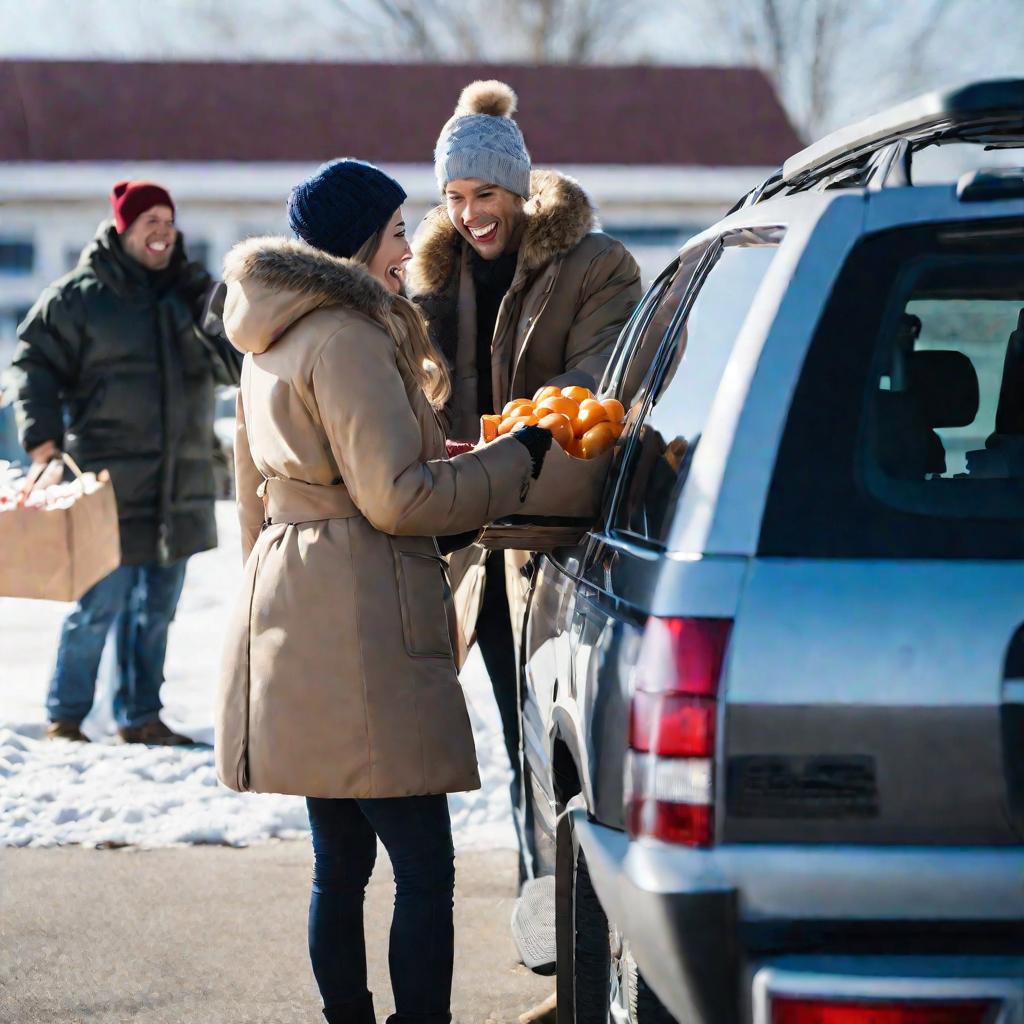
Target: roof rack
x,y
878,151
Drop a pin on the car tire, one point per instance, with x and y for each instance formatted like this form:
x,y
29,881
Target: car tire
x,y
597,978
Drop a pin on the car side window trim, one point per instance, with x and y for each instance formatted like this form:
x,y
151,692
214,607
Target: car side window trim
x,y
707,260
615,372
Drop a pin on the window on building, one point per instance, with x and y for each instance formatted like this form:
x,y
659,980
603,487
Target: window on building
x,y
17,256
71,255
10,317
649,236
198,251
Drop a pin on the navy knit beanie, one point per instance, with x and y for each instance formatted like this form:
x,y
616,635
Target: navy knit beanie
x,y
342,204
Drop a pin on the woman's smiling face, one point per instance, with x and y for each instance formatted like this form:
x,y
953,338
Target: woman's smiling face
x,y
388,262
487,216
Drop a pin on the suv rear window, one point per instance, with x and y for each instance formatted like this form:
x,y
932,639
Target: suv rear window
x,y
906,433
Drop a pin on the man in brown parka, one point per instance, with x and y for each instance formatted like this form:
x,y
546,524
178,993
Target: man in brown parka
x,y
519,290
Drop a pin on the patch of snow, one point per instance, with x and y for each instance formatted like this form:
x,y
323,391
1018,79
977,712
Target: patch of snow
x,y
110,794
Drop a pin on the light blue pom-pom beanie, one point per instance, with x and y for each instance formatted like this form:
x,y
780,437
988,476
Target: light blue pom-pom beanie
x,y
482,141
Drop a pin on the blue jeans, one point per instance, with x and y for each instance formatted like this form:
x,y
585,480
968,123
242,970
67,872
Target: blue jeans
x,y
417,833
143,599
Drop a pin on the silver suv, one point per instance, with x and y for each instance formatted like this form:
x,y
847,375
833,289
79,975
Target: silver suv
x,y
773,703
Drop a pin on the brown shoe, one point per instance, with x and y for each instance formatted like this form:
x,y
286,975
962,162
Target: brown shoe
x,y
153,734
66,731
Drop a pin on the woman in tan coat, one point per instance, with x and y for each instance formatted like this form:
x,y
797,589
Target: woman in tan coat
x,y
339,681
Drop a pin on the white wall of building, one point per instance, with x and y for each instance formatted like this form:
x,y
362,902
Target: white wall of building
x,y
56,207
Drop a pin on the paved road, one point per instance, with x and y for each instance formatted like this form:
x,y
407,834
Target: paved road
x,y
211,935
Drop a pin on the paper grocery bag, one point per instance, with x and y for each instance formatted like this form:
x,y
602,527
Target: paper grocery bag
x,y
57,554
561,505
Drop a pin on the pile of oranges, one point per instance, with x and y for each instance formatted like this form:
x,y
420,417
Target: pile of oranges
x,y
583,425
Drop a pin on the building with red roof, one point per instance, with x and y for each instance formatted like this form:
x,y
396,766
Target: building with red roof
x,y
663,150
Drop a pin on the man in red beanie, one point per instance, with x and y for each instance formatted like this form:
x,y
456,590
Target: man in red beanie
x,y
144,218
116,364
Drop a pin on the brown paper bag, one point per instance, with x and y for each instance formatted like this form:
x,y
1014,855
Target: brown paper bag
x,y
561,505
57,554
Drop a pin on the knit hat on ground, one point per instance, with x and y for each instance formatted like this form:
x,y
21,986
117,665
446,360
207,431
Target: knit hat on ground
x,y
342,204
131,199
482,141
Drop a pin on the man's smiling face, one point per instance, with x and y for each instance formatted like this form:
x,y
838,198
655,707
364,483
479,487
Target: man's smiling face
x,y
488,216
151,237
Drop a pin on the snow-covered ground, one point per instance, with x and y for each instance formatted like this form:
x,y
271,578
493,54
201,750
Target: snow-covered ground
x,y
104,793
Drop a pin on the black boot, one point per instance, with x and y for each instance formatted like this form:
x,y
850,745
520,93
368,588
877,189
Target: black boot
x,y
355,1011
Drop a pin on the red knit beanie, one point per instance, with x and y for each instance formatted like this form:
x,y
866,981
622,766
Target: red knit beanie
x,y
131,199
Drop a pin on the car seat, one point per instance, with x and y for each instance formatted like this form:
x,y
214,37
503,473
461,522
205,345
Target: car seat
x,y
940,390
1003,454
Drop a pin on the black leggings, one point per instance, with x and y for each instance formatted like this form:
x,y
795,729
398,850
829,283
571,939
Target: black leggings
x,y
417,834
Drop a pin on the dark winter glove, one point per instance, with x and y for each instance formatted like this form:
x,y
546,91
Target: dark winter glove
x,y
537,441
455,541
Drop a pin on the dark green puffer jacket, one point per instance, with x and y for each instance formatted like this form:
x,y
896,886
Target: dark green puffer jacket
x,y
117,365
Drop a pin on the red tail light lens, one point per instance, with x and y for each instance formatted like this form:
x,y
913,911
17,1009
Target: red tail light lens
x,y
682,656
787,1010
687,824
669,791
672,724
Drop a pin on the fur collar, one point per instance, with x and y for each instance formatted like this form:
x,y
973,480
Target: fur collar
x,y
273,282
560,216
285,264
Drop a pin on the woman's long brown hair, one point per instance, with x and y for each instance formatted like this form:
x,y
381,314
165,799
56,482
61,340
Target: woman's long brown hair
x,y
406,326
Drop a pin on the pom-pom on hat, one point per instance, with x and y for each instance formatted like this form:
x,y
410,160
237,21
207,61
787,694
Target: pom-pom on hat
x,y
482,141
342,204
131,199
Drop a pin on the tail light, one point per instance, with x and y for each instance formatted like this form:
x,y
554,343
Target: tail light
x,y
669,785
788,1010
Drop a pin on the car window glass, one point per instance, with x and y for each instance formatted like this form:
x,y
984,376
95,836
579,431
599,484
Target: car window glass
x,y
690,370
906,433
944,417
635,327
646,345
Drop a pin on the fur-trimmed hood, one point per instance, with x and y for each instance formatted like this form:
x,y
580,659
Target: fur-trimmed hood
x,y
559,216
273,282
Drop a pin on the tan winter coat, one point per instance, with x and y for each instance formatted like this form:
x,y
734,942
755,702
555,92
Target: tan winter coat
x,y
338,678
573,290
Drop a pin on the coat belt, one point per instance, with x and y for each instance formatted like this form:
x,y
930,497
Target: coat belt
x,y
295,501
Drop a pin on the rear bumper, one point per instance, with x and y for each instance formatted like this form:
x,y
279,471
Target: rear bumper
x,y
689,915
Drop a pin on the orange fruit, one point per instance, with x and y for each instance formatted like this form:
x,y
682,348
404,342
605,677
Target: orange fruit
x,y
617,429
576,393
612,406
556,403
560,427
549,391
591,413
510,408
489,427
508,423
596,440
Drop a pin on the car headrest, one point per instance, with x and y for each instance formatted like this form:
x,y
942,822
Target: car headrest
x,y
1010,410
945,385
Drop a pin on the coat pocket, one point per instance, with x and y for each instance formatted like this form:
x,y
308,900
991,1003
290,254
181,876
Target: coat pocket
x,y
424,596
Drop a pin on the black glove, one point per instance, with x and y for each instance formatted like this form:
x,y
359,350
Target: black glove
x,y
537,441
456,541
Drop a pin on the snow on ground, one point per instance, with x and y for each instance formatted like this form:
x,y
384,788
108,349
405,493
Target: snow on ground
x,y
105,793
